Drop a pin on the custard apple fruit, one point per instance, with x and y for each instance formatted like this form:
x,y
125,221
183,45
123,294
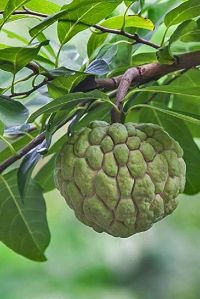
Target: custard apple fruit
x,y
120,178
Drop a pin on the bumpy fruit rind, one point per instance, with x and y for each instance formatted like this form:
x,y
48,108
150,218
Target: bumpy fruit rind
x,y
120,179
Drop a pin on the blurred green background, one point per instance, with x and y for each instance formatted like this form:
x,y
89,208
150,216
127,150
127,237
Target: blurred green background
x,y
163,262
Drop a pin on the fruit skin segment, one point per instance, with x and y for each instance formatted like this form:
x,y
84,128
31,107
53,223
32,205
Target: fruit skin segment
x,y
120,178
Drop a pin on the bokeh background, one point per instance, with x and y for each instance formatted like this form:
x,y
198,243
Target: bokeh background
x,y
162,263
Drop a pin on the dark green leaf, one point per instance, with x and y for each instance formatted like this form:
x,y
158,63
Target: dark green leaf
x,y
69,102
143,58
23,226
187,117
100,111
12,112
25,170
165,56
193,92
45,177
11,6
81,13
63,85
14,59
17,145
191,36
182,30
95,41
74,13
179,131
185,11
1,128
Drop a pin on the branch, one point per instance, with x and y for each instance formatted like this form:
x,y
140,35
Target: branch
x,y
139,75
133,77
149,72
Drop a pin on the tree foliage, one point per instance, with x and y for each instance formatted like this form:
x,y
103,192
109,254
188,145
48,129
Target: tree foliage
x,y
140,63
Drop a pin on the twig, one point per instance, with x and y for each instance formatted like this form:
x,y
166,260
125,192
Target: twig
x,y
33,144
27,12
141,75
38,140
121,32
147,73
134,37
29,92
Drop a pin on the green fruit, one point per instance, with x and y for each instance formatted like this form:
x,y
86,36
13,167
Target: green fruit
x,y
120,179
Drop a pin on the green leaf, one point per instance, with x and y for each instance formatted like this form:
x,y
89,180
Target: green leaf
x,y
143,58
100,111
179,131
61,86
165,56
187,10
42,38
187,117
13,59
191,36
130,21
182,30
17,145
11,6
44,6
45,177
69,102
2,127
193,92
77,12
3,4
57,145
95,41
23,226
25,170
83,15
157,11
12,112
